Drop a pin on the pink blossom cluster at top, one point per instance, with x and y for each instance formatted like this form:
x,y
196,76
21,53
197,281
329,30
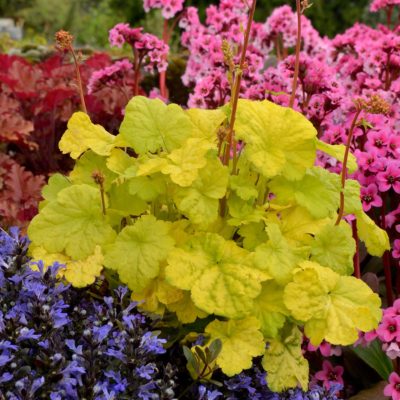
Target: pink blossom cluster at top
x,y
206,69
147,47
169,8
112,75
377,5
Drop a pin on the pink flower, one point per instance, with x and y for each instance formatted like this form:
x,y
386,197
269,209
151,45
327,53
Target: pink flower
x,y
123,33
393,388
392,350
390,178
370,197
109,76
330,374
396,249
326,349
376,5
389,328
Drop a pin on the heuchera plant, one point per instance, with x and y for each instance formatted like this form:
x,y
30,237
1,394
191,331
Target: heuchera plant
x,y
248,243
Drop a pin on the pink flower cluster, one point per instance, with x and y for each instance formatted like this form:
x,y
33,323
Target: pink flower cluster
x,y
206,68
146,46
112,75
388,332
377,5
169,8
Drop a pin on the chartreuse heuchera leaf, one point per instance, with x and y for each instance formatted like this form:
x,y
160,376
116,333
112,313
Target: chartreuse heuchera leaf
x,y
150,125
139,250
279,140
73,223
82,135
237,350
223,278
284,362
334,247
253,250
333,307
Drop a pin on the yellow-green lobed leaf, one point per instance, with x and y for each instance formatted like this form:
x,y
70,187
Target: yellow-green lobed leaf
x,y
83,135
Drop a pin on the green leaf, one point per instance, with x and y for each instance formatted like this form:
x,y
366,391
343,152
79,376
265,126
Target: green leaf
x,y
270,309
199,202
73,223
243,212
56,183
123,202
89,163
375,357
221,276
206,122
138,251
334,247
237,350
352,197
185,162
148,188
284,362
375,238
244,185
318,191
337,151
150,125
83,135
333,307
253,235
279,140
277,256
122,164
297,225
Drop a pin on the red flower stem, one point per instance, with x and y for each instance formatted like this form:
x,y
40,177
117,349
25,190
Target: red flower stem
x,y
386,258
79,79
356,258
230,141
389,13
236,85
163,75
297,62
137,62
344,166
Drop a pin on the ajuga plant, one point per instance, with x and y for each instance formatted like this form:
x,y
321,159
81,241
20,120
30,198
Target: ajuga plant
x,y
220,218
60,343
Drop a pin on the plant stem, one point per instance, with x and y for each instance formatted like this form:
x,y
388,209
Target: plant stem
x,y
297,62
230,141
356,258
137,62
163,75
389,13
79,79
236,84
344,166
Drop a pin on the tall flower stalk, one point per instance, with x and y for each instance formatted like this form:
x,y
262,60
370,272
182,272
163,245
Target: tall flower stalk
x,y
64,42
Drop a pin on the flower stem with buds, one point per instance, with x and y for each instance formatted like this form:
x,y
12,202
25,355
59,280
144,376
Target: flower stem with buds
x,y
64,42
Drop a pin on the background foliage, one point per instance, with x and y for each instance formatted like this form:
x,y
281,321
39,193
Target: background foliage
x,y
91,19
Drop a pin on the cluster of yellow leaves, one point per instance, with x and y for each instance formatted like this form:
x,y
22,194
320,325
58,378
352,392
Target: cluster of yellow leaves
x,y
274,262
